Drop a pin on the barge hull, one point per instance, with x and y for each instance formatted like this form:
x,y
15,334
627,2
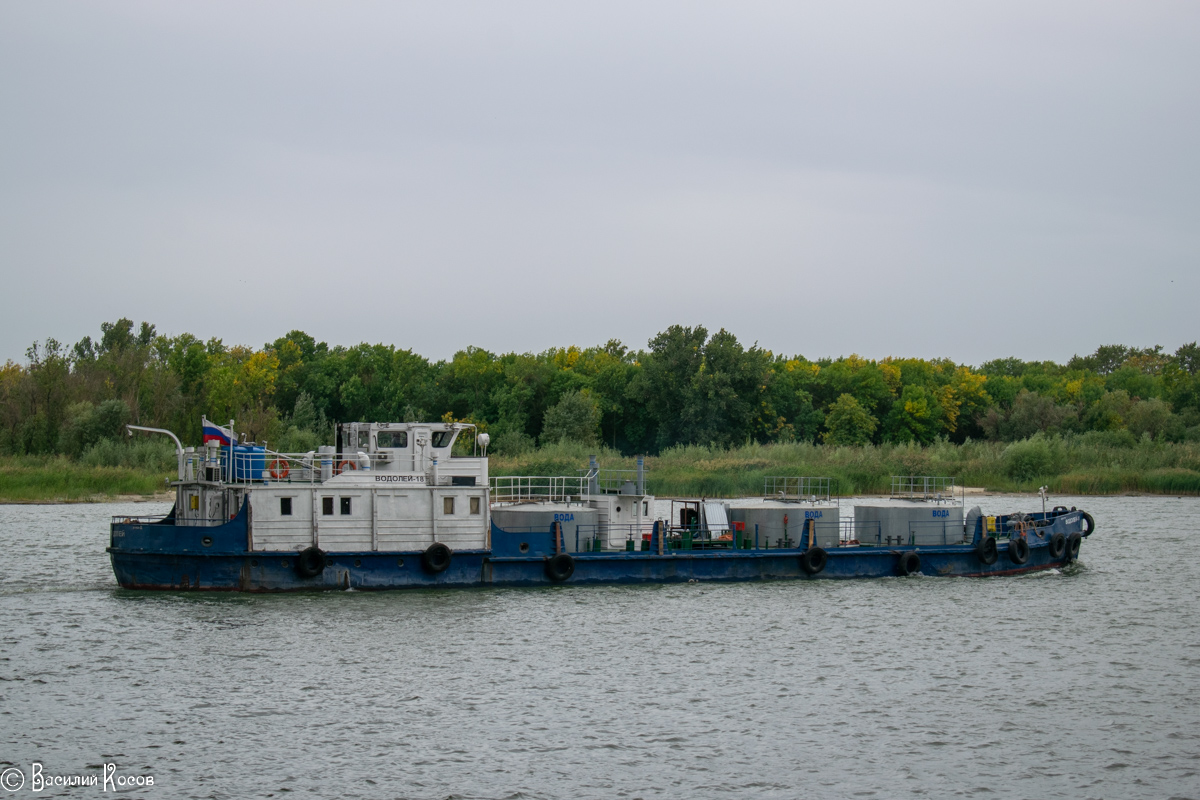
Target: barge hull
x,y
277,572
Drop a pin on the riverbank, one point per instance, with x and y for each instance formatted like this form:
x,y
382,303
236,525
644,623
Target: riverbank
x,y
1079,465
33,479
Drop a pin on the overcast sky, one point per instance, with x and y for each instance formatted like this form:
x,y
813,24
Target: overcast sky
x,y
970,180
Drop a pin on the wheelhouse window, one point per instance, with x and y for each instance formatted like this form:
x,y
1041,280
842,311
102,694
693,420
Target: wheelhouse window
x,y
447,505
364,441
392,438
442,438
475,504
285,506
327,506
345,505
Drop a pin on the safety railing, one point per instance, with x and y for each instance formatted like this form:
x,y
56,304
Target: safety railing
x,y
927,534
124,519
923,487
612,538
799,488
537,488
260,465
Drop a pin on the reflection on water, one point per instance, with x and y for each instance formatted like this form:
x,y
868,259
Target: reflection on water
x,y
1074,684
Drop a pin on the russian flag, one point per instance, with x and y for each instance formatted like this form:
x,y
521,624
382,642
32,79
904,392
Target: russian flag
x,y
214,432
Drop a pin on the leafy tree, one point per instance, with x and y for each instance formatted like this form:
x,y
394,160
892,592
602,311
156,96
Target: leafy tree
x,y
1109,412
1104,361
848,423
665,383
1153,417
915,417
1031,413
575,418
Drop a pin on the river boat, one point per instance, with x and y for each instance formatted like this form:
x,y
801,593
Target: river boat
x,y
398,505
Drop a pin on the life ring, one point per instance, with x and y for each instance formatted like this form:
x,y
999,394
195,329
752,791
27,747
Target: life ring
x,y
986,550
909,563
813,560
279,469
1091,523
560,567
311,562
436,558
1018,550
345,465
1058,546
1073,543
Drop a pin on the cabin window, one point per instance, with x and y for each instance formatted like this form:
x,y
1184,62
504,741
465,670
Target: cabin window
x,y
442,438
327,506
447,505
392,439
345,505
285,506
645,508
474,505
364,440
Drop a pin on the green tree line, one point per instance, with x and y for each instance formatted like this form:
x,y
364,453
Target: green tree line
x,y
686,387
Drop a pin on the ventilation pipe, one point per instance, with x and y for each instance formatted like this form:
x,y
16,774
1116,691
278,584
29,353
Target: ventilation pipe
x,y
178,444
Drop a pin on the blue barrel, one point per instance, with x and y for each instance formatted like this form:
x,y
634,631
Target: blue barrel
x,y
249,462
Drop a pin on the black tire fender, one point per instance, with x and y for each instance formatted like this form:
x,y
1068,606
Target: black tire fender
x,y
813,560
311,562
1058,546
560,567
436,558
1073,543
1091,523
1018,550
909,563
986,551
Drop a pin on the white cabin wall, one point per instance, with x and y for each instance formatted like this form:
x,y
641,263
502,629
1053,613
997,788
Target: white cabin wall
x,y
388,519
271,530
340,532
403,520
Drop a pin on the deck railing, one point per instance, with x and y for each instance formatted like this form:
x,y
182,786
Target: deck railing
x,y
801,488
537,488
923,487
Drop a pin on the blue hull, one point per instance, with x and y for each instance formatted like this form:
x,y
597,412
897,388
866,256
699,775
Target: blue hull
x,y
161,555
276,572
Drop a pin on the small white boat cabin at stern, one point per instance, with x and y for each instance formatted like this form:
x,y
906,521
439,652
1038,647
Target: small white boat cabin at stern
x,y
382,487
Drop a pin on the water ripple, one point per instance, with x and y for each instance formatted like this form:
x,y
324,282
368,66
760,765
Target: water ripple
x,y
1066,684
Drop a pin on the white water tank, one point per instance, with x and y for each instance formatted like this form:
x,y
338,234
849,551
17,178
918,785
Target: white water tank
x,y
908,524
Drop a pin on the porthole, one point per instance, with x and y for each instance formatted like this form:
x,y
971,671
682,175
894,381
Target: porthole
x,y
254,562
399,562
283,564
524,547
358,562
618,509
206,541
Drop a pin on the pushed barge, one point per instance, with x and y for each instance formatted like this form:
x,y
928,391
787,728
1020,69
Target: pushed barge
x,y
391,507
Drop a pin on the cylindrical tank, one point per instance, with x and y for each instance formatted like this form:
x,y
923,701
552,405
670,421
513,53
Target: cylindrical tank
x,y
908,523
326,452
580,525
250,461
786,524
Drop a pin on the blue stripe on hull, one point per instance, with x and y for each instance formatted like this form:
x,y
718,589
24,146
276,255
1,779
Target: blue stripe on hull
x,y
276,572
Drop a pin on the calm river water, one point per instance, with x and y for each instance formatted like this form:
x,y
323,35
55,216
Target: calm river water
x,y
1078,685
